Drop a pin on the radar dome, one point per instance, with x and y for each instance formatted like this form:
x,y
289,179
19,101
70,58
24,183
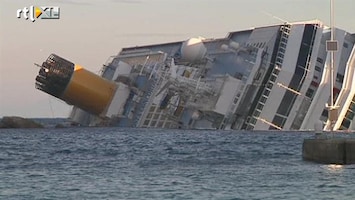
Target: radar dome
x,y
193,50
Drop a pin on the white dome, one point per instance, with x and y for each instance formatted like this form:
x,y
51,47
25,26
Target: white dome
x,y
193,50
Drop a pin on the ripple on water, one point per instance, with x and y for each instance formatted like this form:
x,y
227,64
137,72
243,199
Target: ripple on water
x,y
111,163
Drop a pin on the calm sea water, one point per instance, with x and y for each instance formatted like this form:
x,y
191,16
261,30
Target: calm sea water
x,y
113,163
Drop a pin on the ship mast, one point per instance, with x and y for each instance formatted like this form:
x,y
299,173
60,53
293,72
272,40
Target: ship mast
x,y
331,53
332,47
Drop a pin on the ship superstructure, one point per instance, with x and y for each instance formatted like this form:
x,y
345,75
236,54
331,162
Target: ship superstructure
x,y
273,77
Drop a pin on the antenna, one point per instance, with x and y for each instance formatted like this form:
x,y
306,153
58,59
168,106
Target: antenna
x,y
275,17
37,65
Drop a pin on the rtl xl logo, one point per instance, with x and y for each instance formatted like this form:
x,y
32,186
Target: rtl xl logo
x,y
42,12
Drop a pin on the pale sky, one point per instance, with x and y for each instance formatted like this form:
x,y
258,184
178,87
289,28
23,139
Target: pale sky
x,y
89,32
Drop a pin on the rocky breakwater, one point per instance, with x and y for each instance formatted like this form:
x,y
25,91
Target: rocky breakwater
x,y
18,122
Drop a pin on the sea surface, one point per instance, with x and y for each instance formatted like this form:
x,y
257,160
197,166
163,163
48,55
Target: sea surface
x,y
116,163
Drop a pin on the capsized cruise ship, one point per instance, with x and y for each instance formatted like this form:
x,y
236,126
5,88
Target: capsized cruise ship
x,y
265,78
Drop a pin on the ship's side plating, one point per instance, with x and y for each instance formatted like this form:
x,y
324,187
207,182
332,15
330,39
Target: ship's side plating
x,y
273,77
317,110
291,75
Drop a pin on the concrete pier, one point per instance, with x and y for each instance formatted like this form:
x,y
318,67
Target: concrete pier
x,y
329,150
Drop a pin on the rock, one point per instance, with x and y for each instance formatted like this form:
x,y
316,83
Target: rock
x,y
18,122
59,126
